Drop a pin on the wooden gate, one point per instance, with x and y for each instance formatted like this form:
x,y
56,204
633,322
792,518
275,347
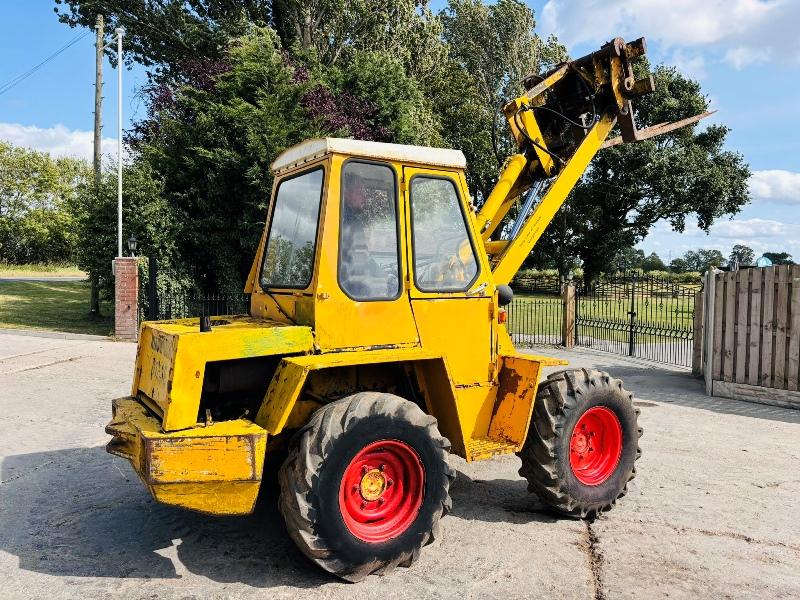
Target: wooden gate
x,y
751,334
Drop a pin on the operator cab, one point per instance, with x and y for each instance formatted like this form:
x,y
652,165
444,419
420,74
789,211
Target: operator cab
x,y
379,236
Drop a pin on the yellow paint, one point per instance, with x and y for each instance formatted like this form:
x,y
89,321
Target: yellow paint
x,y
518,250
519,378
288,381
173,354
472,380
372,485
214,468
490,215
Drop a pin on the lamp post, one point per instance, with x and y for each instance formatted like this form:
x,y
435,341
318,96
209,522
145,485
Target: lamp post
x,y
132,242
120,32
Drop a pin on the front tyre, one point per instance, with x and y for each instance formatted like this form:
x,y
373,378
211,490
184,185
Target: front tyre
x,y
365,484
582,443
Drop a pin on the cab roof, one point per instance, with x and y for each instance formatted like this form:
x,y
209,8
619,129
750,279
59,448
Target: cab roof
x,y
318,147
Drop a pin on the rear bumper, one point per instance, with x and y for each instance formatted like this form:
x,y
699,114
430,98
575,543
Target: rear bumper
x,y
214,469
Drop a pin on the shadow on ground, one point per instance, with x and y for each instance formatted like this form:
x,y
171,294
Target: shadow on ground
x,y
682,388
83,513
497,500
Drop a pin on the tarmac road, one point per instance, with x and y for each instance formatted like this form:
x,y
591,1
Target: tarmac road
x,y
711,514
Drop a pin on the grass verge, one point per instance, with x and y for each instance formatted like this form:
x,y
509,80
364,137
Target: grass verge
x,y
53,306
37,270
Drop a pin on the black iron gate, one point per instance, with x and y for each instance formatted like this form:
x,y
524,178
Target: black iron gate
x,y
638,315
165,294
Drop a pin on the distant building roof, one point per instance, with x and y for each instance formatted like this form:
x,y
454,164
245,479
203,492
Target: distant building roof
x,y
315,148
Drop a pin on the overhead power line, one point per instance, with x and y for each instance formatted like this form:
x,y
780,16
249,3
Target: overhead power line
x,y
23,76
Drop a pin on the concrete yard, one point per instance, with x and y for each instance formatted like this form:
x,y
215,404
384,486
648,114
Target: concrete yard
x,y
713,512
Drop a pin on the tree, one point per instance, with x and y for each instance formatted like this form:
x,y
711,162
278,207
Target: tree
x,y
630,187
779,258
37,196
679,265
168,32
653,262
627,259
490,49
146,214
742,255
702,260
211,138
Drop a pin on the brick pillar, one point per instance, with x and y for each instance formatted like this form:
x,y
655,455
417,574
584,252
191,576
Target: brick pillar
x,y
126,299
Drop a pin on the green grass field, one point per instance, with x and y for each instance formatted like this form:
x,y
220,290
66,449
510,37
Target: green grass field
x,y
541,315
54,306
37,270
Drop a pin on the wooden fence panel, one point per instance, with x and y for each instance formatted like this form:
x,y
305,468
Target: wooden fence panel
x,y
768,302
741,329
719,303
754,347
729,340
781,314
794,329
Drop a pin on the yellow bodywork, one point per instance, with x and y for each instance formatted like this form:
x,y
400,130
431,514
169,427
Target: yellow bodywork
x,y
172,356
451,348
213,468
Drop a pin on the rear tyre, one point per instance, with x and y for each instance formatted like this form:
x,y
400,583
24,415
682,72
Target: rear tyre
x,y
365,484
582,443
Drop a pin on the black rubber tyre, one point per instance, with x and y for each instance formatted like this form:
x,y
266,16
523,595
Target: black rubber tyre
x,y
561,401
319,455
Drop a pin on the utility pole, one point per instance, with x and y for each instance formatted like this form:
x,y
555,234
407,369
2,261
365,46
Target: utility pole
x,y
94,301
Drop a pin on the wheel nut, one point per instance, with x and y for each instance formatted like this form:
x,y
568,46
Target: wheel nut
x,y
364,469
363,505
381,467
355,488
381,500
389,482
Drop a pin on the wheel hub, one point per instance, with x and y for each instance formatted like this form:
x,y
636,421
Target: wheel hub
x,y
595,446
372,485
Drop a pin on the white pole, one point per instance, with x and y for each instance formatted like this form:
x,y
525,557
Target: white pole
x,y
120,32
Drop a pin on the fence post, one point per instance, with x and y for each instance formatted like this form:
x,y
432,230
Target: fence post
x,y
697,334
632,315
152,289
568,316
710,286
126,298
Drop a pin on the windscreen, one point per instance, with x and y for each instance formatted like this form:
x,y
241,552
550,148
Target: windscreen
x,y
289,258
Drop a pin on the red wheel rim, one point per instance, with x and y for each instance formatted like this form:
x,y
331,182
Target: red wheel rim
x,y
381,490
595,446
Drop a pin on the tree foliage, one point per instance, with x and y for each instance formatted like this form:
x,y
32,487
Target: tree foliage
x,y
700,261
630,187
233,83
779,258
146,214
37,201
742,254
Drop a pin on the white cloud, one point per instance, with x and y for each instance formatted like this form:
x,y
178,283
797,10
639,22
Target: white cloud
x,y
743,31
775,185
747,229
57,141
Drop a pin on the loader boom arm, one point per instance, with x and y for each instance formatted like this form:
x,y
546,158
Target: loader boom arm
x,y
559,125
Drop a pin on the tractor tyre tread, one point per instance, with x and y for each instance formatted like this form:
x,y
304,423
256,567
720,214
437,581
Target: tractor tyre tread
x,y
301,471
545,454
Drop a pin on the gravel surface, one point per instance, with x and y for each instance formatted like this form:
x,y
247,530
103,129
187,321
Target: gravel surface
x,y
711,514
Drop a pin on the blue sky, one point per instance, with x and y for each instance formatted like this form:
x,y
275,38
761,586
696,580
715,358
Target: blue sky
x,y
745,53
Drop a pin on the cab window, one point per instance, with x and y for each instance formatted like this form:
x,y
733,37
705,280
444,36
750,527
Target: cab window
x,y
289,257
444,259
369,265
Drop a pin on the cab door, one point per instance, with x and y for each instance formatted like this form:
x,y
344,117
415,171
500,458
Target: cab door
x,y
362,297
450,282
